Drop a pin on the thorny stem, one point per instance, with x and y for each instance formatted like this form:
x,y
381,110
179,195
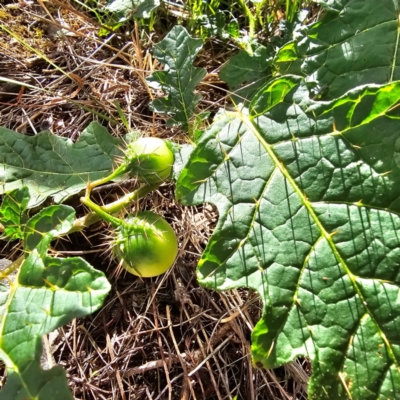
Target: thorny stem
x,y
250,16
91,218
100,212
112,208
122,169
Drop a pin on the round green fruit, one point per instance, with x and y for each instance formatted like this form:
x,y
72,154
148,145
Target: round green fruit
x,y
150,159
145,244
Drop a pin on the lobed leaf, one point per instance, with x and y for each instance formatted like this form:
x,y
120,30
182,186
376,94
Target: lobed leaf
x,y
308,195
355,43
244,68
179,79
181,156
47,293
51,166
123,10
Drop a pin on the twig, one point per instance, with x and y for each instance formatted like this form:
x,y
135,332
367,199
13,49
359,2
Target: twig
x,y
186,382
160,345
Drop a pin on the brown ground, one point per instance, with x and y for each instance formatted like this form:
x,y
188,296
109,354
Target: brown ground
x,y
161,338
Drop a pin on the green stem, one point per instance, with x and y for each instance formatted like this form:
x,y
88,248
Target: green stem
x,y
98,213
114,221
250,16
129,198
122,169
112,208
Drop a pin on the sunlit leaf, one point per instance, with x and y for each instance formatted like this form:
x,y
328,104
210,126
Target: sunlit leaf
x,y
308,195
51,166
48,292
12,212
179,79
355,43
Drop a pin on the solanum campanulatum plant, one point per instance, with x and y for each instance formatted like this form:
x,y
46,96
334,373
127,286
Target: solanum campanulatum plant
x,y
143,243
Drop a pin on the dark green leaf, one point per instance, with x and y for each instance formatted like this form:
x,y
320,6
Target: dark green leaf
x,y
179,79
357,42
246,73
53,166
308,195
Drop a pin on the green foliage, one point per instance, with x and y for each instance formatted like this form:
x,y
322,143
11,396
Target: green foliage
x,y
179,79
181,155
53,166
12,212
116,13
309,219
307,193
47,293
245,73
308,198
354,44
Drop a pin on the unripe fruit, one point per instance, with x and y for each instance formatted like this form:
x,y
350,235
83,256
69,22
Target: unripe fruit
x,y
150,159
145,244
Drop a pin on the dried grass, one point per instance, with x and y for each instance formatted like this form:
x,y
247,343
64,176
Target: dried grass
x,y
161,338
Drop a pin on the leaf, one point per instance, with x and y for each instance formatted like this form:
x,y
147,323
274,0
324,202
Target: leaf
x,y
244,68
12,212
123,10
308,195
246,72
181,157
287,61
213,24
47,293
179,79
357,42
53,166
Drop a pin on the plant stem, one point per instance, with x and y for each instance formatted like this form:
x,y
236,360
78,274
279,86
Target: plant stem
x,y
12,267
122,169
112,208
126,200
100,212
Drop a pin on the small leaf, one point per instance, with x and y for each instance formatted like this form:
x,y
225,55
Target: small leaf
x,y
308,198
12,212
53,166
123,10
246,73
47,293
179,79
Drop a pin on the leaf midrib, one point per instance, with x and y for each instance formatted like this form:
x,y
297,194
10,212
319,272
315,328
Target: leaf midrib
x,y
52,173
393,66
324,233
